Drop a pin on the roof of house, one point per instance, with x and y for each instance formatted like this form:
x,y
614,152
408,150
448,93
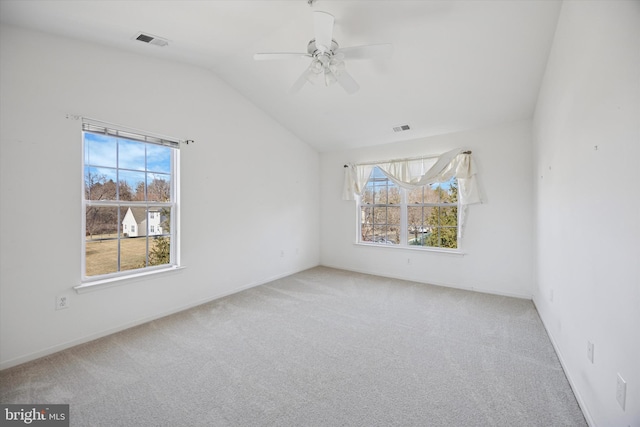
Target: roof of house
x,y
140,213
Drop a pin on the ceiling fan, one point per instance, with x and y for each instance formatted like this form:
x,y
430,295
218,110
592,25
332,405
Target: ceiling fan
x,y
327,58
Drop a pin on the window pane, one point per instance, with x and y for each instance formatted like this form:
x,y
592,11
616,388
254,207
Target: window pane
x,y
99,183
366,215
159,250
394,194
417,231
160,219
389,235
99,150
393,215
414,217
134,221
448,216
417,237
367,195
450,194
447,192
448,237
101,257
158,187
415,195
367,233
380,215
131,185
380,234
431,194
131,154
158,158
377,174
366,227
133,252
430,217
101,222
101,245
380,194
393,234
133,245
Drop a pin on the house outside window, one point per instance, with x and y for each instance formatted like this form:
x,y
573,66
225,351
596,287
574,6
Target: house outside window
x,y
424,217
129,203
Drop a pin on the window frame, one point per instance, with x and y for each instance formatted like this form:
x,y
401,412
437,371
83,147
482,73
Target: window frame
x,y
404,221
173,205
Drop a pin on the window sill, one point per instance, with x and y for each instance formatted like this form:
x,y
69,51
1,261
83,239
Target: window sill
x,y
456,252
121,280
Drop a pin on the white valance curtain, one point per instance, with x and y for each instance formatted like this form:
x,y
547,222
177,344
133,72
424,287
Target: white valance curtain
x,y
413,173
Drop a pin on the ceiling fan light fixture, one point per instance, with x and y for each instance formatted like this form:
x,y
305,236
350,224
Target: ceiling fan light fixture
x,y
327,59
329,78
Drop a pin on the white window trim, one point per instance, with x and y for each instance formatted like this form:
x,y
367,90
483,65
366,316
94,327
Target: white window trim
x,y
434,249
403,245
121,277
122,280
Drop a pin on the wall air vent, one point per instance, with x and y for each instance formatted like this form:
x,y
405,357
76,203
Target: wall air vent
x,y
154,40
401,128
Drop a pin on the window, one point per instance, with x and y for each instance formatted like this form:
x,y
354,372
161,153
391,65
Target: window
x,y
130,183
380,210
424,216
432,215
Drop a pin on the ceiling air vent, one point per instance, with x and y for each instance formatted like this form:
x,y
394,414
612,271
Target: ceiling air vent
x,y
154,40
401,128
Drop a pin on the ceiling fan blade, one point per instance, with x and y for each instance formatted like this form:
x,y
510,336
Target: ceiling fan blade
x,y
300,82
279,55
323,29
370,51
347,82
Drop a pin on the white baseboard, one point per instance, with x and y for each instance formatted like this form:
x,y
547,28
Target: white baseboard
x,y
444,285
66,345
576,393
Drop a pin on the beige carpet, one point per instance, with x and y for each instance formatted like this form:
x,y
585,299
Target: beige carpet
x,y
320,348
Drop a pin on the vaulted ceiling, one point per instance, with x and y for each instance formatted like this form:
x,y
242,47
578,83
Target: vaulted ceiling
x,y
456,65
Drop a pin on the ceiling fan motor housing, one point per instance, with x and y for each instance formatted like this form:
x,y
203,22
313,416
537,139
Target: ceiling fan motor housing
x,y
313,50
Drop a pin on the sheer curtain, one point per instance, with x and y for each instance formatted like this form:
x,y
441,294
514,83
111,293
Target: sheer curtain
x,y
414,173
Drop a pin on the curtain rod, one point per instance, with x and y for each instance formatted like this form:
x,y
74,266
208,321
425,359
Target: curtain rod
x,y
402,160
115,126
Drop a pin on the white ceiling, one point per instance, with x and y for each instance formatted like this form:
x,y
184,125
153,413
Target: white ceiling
x,y
456,65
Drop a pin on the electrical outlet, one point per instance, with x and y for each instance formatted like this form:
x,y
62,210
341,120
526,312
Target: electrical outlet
x,y
62,302
621,391
590,351
409,261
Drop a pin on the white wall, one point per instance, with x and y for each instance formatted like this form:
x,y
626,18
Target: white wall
x,y
498,237
588,203
240,207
